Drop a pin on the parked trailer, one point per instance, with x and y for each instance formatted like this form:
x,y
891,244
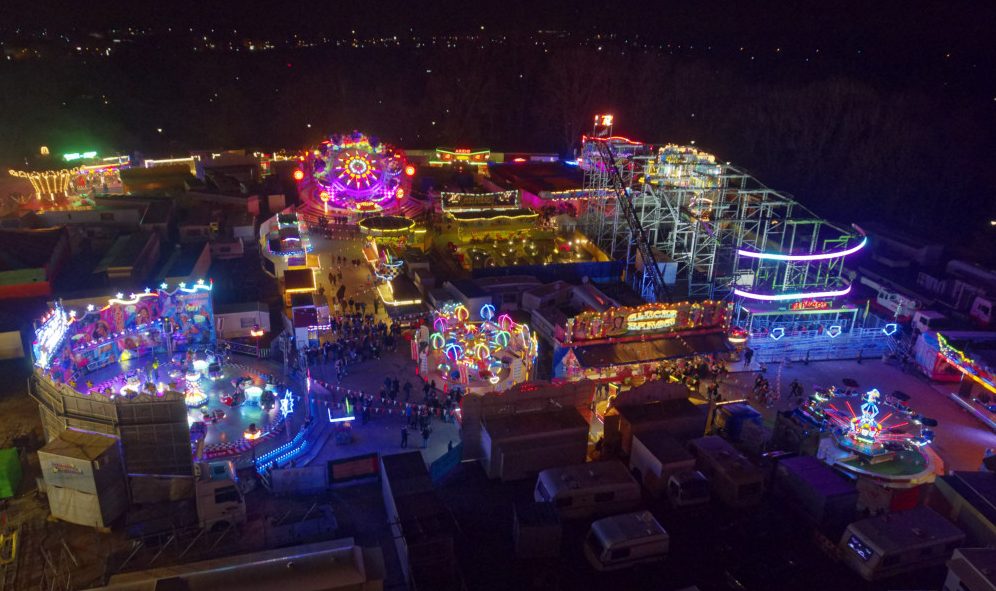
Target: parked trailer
x,y
896,543
622,541
584,490
733,478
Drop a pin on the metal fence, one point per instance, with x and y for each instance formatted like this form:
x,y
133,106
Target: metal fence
x,y
861,343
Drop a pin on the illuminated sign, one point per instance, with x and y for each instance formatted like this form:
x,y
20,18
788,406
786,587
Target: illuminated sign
x,y
79,156
479,201
462,155
652,320
811,305
287,403
649,318
49,336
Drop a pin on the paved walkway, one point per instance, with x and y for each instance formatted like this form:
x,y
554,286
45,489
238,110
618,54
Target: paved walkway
x,y
383,432
960,439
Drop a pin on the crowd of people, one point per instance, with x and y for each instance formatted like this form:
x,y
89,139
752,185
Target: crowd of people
x,y
348,340
395,397
762,393
692,372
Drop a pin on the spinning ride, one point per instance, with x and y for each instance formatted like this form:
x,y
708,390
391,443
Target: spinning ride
x,y
872,435
493,354
356,173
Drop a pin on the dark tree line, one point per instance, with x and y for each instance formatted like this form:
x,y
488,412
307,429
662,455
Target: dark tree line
x,y
850,149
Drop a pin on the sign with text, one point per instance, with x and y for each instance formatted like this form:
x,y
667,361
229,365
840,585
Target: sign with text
x,y
648,319
480,201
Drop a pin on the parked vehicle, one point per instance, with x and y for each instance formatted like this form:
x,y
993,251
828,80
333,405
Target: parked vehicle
x,y
901,542
732,477
688,488
584,490
622,541
220,501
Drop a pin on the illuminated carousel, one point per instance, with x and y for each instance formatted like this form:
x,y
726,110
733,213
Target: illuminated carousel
x,y
492,354
355,173
160,345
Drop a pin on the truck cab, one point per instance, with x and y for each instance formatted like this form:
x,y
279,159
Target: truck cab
x,y
927,320
220,501
688,488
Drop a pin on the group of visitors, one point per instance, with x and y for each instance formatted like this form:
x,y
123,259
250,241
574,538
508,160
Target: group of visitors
x,y
762,392
692,372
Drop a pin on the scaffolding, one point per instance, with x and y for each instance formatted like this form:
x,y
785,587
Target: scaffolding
x,y
715,232
704,221
609,231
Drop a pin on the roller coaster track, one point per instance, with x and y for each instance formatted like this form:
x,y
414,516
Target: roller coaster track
x,y
638,234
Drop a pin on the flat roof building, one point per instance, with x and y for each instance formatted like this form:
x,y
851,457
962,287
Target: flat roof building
x,y
518,446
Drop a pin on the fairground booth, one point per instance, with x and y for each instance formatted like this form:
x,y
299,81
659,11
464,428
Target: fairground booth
x,y
387,238
628,346
972,357
286,235
497,215
146,368
488,230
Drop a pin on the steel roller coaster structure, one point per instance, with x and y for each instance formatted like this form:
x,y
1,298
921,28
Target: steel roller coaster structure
x,y
690,227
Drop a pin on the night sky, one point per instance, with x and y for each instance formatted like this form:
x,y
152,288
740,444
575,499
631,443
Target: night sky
x,y
863,110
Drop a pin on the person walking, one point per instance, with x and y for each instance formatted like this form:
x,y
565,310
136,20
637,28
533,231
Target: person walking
x,y
404,435
748,355
426,431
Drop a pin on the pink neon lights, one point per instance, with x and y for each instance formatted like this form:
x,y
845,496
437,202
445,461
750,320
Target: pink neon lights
x,y
614,138
781,297
803,257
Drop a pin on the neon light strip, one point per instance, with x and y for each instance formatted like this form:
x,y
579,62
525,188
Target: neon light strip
x,y
195,288
962,361
780,297
802,257
190,159
498,217
135,297
101,166
617,138
473,163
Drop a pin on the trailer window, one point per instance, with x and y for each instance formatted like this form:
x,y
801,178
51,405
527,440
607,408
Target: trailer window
x,y
604,497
